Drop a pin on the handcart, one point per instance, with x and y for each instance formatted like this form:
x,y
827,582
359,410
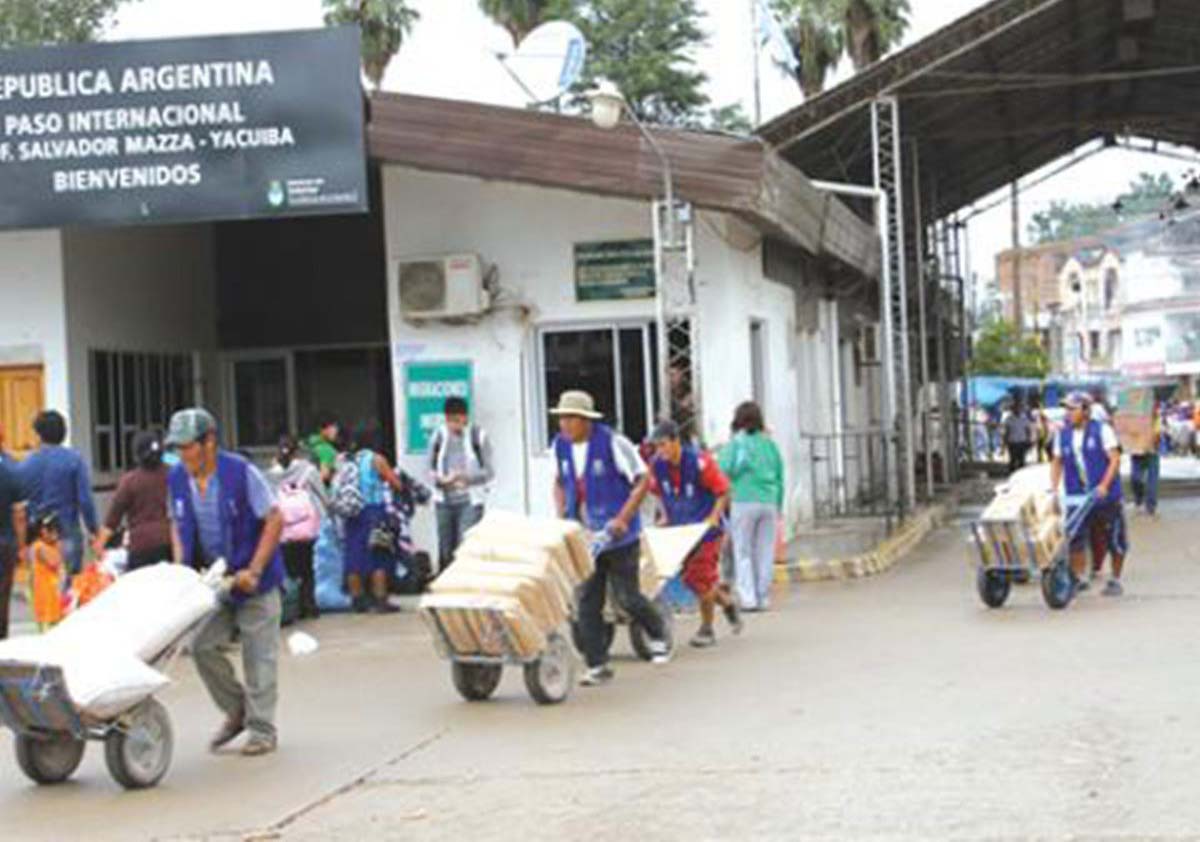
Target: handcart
x,y
1009,551
655,571
51,734
479,640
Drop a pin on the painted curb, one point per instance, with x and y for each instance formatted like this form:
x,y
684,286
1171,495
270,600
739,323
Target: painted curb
x,y
885,556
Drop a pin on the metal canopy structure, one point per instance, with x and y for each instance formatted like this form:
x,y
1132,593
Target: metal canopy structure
x,y
1008,89
998,94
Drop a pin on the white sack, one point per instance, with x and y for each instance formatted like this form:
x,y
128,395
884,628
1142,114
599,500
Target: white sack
x,y
141,613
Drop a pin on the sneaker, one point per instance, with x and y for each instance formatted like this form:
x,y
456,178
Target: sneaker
x,y
258,745
1083,584
734,616
227,733
1113,588
595,676
659,652
704,639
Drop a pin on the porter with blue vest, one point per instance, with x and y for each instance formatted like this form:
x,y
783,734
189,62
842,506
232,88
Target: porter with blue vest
x,y
223,508
601,482
1087,460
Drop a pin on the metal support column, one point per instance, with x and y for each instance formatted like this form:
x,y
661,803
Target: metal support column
x,y
946,263
922,334
676,323
885,142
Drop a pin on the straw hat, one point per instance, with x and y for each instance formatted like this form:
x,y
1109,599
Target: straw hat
x,y
579,404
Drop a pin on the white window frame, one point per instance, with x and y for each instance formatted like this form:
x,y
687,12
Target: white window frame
x,y
544,402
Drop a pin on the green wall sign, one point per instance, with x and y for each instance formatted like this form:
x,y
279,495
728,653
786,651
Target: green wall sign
x,y
426,387
614,271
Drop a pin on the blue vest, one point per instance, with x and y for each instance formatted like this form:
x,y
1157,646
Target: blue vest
x,y
691,502
240,527
1095,461
606,489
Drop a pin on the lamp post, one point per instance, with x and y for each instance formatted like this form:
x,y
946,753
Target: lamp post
x,y
608,106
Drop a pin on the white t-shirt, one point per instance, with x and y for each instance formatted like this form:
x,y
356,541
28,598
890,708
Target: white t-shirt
x,y
625,455
1108,437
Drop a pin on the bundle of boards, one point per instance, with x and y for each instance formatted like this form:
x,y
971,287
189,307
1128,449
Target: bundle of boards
x,y
1021,527
511,585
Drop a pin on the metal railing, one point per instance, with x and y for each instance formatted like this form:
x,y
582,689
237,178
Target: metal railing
x,y
848,474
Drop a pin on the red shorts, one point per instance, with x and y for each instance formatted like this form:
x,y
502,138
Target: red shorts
x,y
701,572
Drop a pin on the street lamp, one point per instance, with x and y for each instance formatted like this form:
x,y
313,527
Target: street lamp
x,y
608,105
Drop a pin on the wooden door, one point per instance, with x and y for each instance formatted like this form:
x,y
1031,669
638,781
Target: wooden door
x,y
22,397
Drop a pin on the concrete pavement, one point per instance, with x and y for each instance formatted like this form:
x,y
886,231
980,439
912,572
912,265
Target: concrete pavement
x,y
895,707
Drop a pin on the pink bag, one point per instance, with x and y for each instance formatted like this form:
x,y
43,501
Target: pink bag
x,y
301,520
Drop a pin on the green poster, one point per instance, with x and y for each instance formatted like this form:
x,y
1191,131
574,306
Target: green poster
x,y
617,270
426,387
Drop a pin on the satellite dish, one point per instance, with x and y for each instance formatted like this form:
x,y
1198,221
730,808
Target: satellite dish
x,y
548,62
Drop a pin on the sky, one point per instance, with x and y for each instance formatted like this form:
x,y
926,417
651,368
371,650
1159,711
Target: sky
x,y
451,53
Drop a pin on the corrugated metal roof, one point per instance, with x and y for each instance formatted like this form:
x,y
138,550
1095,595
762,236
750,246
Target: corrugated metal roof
x,y
1009,88
716,171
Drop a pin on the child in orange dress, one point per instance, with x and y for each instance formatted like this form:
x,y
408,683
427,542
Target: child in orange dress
x,y
47,572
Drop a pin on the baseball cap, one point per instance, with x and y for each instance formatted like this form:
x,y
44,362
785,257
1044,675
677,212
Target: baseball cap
x,y
1078,400
665,431
190,425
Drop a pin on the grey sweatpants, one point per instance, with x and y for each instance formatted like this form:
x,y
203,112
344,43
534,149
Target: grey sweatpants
x,y
257,623
753,527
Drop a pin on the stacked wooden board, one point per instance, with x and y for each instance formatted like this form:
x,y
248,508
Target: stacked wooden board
x,y
512,583
1022,527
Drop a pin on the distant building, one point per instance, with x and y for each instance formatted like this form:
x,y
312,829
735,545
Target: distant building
x,y
1089,311
1039,270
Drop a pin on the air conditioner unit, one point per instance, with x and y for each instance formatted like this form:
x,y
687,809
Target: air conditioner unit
x,y
443,287
869,344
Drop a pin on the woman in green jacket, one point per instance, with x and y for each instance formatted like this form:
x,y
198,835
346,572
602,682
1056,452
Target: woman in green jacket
x,y
755,468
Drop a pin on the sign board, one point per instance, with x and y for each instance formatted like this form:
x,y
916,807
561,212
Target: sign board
x,y
427,384
614,271
1134,421
233,127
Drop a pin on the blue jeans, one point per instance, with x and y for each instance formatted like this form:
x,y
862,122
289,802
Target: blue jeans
x,y
1145,480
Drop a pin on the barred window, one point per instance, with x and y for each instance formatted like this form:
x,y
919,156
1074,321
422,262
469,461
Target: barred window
x,y
132,392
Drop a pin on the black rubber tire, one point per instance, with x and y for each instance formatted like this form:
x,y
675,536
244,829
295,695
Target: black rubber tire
x,y
640,640
51,760
476,682
1058,586
138,755
610,634
994,587
551,677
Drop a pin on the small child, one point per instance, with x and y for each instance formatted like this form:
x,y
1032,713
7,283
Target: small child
x,y
47,572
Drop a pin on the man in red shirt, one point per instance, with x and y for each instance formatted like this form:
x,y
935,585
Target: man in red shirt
x,y
693,490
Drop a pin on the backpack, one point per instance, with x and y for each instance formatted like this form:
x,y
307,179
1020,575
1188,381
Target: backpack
x,y
346,498
476,445
301,520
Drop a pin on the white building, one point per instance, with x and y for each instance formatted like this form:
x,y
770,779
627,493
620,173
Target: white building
x,y
1091,296
270,322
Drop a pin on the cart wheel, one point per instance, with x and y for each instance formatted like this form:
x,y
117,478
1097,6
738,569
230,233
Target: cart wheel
x,y
138,751
550,678
610,632
993,586
476,682
49,760
1058,586
640,641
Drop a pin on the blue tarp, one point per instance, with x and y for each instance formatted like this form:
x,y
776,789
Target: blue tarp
x,y
990,392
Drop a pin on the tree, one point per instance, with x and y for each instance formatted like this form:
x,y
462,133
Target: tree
x,y
822,31
520,17
384,24
872,28
647,50
999,352
816,40
729,118
36,22
1147,195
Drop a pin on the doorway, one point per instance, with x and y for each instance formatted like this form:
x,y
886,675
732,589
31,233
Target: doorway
x,y
22,397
